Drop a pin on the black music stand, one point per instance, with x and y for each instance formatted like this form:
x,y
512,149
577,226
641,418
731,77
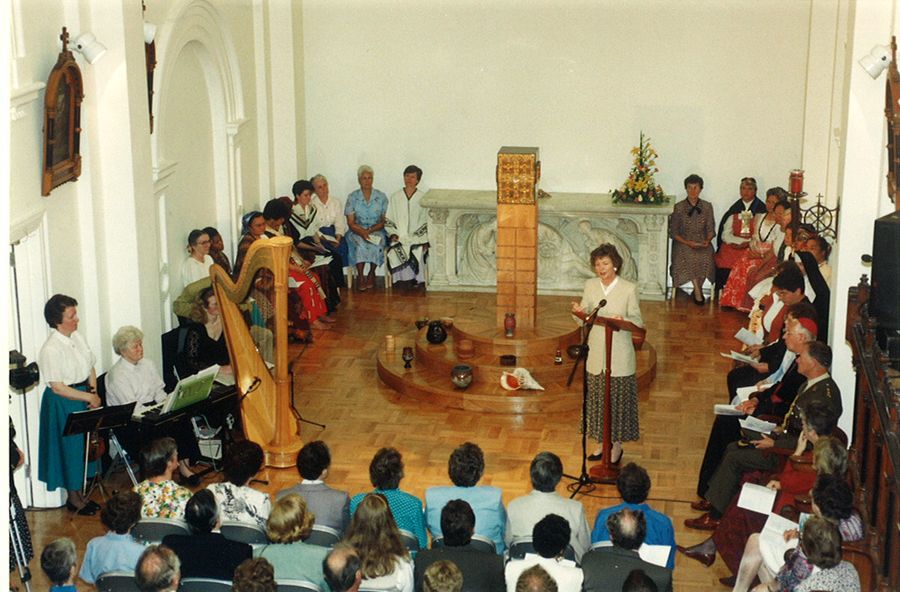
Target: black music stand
x,y
96,420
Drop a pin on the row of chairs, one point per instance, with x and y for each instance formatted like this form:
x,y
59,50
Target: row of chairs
x,y
123,581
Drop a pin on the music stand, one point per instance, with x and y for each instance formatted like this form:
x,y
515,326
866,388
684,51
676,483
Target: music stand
x,y
94,420
606,471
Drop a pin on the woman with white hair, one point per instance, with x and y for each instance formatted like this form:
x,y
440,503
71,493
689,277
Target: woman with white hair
x,y
133,378
365,211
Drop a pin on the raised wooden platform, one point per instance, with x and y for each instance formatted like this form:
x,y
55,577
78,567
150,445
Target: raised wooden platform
x,y
429,377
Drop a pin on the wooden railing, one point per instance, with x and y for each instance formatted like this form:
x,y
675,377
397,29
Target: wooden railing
x,y
875,451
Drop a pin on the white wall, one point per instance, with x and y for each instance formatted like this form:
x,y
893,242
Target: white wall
x,y
720,86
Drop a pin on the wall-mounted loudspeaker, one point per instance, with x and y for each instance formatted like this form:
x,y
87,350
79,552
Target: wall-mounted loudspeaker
x,y
885,300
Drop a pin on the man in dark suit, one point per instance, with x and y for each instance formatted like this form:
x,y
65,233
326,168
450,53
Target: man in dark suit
x,y
742,457
205,553
607,568
331,506
482,571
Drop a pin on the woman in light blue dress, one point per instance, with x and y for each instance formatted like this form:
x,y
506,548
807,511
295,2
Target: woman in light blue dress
x,y
365,212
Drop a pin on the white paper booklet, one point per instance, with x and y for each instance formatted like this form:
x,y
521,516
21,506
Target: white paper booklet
x,y
757,498
739,357
771,541
655,554
757,425
748,338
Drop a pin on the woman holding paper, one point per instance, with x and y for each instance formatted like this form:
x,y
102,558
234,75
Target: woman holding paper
x,y
365,211
611,296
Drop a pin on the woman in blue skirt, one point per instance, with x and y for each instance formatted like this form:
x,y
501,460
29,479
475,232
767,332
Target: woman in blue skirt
x,y
67,367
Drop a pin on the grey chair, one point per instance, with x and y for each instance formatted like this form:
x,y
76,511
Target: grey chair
x,y
323,536
152,530
479,542
522,545
297,586
205,585
410,540
117,581
243,532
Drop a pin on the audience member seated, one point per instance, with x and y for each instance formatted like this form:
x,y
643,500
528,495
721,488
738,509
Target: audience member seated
x,y
737,227
737,525
606,568
524,512
205,553
58,562
536,579
482,572
290,523
134,378
406,224
365,210
217,249
254,575
385,473
162,497
302,225
333,223
692,226
158,570
196,266
442,576
550,538
385,562
633,484
116,550
741,458
253,227
204,343
638,581
465,467
331,507
831,500
237,501
342,569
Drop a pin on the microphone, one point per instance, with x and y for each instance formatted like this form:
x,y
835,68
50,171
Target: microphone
x,y
600,305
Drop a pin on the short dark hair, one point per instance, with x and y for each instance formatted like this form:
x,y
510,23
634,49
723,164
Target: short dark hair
x,y
413,169
546,471
254,575
821,542
820,417
790,278
466,465
821,353
638,581
122,511
345,576
195,235
158,568
833,497
275,210
155,456
55,307
693,178
607,250
386,469
243,459
457,523
627,528
803,310
201,512
536,579
778,192
300,186
57,560
550,536
633,483
313,459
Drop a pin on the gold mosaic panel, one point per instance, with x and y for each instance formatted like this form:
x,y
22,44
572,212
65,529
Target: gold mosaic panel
x,y
518,172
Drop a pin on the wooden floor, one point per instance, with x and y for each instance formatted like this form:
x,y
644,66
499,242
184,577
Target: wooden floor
x,y
337,385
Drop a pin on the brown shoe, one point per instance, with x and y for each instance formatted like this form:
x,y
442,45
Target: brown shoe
x,y
701,506
703,522
706,559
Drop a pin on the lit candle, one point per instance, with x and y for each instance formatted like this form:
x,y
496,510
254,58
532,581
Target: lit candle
x,y
796,183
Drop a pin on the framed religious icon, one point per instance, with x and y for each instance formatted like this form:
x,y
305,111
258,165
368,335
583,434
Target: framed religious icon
x,y
892,112
62,121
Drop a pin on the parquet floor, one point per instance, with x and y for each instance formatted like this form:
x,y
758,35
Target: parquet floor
x,y
337,385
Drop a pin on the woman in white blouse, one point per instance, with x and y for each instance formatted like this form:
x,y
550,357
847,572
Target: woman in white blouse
x,y
67,367
196,267
237,501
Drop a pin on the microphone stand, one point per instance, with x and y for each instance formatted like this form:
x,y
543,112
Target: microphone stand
x,y
584,480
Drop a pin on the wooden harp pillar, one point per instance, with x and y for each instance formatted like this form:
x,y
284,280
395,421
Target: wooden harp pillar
x,y
518,172
265,394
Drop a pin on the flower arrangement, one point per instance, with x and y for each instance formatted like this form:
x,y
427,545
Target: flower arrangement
x,y
640,187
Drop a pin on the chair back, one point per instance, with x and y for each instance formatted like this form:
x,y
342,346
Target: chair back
x,y
479,542
323,536
117,581
410,540
522,545
205,585
153,530
172,346
297,586
252,534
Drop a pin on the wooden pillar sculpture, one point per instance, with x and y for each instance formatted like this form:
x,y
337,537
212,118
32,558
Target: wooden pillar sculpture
x,y
518,172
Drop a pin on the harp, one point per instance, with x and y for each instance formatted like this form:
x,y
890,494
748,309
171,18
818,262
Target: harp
x,y
252,338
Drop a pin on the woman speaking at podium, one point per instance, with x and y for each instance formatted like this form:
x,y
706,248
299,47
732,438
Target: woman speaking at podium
x,y
615,297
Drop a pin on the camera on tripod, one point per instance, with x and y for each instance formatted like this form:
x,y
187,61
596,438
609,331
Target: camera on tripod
x,y
22,376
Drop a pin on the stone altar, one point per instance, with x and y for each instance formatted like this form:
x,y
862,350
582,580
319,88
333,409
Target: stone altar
x,y
462,230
